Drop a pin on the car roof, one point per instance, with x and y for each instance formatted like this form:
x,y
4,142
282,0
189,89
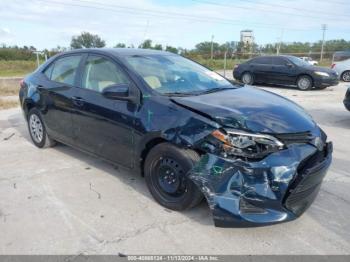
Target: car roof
x,y
118,52
273,56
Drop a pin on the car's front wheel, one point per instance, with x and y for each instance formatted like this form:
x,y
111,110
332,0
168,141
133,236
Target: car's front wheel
x,y
166,167
37,130
346,76
248,78
304,83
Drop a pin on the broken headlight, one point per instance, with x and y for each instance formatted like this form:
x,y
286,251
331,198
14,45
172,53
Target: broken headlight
x,y
247,145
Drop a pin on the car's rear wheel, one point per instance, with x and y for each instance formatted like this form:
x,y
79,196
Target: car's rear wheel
x,y
248,78
166,167
346,76
304,83
37,130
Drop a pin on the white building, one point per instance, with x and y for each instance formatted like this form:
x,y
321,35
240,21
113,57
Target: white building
x,y
247,37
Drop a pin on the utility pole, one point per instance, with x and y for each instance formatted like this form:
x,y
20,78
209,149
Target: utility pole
x,y
211,49
280,42
324,28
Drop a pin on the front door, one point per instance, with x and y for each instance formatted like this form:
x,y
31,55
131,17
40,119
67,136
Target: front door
x,y
282,71
104,126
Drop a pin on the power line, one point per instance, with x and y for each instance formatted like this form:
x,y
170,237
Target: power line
x,y
268,11
334,2
144,12
295,8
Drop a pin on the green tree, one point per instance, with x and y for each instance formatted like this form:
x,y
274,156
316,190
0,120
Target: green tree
x,y
158,47
205,47
147,44
87,40
171,49
120,45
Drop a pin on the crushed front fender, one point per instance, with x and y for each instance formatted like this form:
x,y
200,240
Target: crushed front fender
x,y
276,189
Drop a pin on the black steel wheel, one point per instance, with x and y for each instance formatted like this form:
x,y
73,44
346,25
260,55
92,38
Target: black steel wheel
x,y
166,167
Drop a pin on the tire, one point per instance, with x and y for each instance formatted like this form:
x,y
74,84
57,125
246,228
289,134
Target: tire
x,y
248,78
304,83
165,172
37,130
345,76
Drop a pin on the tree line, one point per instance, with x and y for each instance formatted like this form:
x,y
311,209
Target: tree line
x,y
201,50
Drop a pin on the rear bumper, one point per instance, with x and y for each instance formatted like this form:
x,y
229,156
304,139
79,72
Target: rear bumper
x,y
236,74
277,189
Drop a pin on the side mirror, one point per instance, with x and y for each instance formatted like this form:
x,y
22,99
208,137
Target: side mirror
x,y
122,92
290,65
119,92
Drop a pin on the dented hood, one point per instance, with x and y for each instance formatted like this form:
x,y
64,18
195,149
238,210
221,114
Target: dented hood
x,y
251,109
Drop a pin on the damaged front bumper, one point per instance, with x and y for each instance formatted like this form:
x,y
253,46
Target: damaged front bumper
x,y
276,189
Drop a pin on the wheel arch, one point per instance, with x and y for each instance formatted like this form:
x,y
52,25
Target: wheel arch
x,y
27,106
147,148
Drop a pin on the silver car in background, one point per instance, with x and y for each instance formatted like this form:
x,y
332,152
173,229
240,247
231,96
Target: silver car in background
x,y
341,64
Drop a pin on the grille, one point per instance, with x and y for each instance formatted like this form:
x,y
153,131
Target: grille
x,y
294,138
303,190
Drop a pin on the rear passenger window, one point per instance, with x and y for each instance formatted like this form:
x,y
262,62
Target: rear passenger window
x,y
262,60
65,69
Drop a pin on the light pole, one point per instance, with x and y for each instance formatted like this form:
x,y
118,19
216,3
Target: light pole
x,y
324,28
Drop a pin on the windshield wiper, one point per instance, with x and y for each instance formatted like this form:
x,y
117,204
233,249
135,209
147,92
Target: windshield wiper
x,y
217,89
178,94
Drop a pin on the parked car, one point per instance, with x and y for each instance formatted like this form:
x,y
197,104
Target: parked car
x,y
285,70
341,64
347,99
258,158
309,60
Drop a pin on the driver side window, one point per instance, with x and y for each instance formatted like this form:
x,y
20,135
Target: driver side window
x,y
100,73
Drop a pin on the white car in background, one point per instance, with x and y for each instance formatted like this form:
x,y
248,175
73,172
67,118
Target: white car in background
x,y
341,64
309,60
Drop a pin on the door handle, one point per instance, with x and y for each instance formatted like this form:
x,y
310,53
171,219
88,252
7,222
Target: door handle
x,y
78,101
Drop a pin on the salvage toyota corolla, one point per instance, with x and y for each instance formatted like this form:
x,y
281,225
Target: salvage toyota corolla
x,y
256,157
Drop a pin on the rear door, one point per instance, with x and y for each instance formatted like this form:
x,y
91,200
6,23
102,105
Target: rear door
x,y
59,86
104,126
261,68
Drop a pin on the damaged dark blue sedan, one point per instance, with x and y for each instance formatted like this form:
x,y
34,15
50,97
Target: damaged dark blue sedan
x,y
256,157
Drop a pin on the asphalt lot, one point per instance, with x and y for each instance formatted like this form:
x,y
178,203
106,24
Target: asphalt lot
x,y
62,201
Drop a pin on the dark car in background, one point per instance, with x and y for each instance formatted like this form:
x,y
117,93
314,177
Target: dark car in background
x,y
258,158
347,99
285,70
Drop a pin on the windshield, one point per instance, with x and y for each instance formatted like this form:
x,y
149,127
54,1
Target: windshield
x,y
173,74
297,61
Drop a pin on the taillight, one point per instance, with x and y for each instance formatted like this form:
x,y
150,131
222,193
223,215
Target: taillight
x,y
332,66
235,66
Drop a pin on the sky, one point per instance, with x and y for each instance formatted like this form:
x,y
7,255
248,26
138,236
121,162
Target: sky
x,y
179,23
